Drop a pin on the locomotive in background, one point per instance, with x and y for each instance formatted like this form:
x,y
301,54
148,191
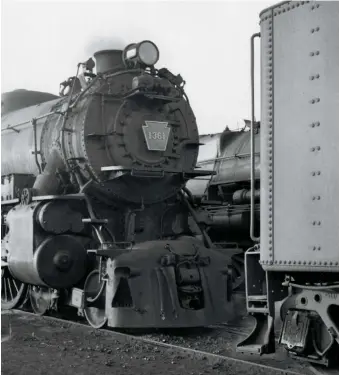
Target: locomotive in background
x,y
93,211
223,200
226,194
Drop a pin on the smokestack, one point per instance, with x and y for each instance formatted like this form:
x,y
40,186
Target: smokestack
x,y
107,60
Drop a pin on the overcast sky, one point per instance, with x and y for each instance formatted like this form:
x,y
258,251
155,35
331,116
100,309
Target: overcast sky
x,y
206,42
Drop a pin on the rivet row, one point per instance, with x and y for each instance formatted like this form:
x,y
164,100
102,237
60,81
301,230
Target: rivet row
x,y
294,262
315,100
288,8
316,76
269,83
313,125
314,53
315,30
317,148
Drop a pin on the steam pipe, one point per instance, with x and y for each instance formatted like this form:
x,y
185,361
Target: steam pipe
x,y
62,143
36,145
195,218
253,238
13,127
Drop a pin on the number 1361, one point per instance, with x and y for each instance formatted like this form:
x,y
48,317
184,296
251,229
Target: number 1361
x,y
157,135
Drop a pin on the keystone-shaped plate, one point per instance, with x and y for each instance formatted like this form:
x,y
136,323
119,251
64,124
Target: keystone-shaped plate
x,y
156,135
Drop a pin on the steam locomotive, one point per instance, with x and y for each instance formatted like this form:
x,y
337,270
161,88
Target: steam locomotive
x,y
95,214
284,206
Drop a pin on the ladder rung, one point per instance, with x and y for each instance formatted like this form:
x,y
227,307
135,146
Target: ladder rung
x,y
257,298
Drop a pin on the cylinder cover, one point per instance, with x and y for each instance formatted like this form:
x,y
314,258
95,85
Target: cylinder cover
x,y
60,261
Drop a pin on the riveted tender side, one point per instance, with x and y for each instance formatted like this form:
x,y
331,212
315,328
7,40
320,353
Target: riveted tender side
x,y
300,181
299,236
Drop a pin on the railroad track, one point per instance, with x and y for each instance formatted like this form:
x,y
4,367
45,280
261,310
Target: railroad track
x,y
213,344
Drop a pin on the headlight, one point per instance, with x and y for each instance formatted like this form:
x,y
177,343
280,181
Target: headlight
x,y
148,53
145,53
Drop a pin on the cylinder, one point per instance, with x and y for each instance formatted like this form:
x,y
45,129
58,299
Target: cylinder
x,y
230,221
58,261
107,60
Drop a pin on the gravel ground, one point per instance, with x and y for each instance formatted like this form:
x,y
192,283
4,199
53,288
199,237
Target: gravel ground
x,y
35,345
223,339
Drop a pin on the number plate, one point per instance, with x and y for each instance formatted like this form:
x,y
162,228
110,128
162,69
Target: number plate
x,y
156,135
77,298
295,330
